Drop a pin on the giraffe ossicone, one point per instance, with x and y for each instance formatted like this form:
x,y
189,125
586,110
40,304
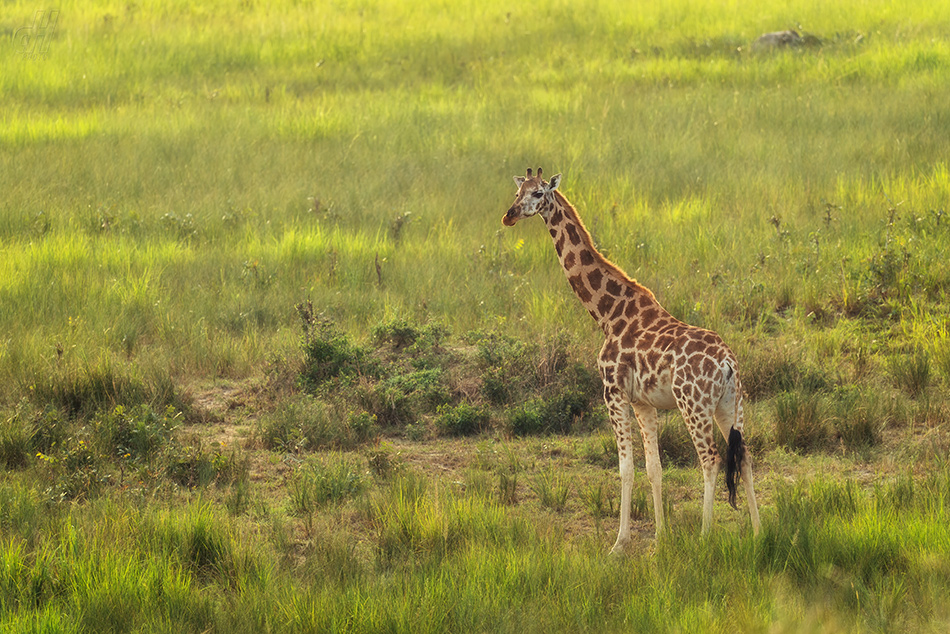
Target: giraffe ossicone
x,y
650,361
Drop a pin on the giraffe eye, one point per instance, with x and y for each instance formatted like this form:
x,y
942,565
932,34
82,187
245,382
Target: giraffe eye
x,y
538,194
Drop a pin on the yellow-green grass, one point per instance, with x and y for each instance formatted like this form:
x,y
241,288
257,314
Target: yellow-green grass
x,y
179,177
176,178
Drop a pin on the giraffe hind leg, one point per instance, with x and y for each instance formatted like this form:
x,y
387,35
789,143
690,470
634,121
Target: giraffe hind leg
x,y
729,418
699,423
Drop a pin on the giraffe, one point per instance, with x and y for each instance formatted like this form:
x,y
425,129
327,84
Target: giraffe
x,y
650,360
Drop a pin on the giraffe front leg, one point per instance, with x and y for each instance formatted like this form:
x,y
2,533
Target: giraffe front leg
x,y
649,429
619,412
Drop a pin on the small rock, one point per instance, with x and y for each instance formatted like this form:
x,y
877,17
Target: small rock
x,y
777,39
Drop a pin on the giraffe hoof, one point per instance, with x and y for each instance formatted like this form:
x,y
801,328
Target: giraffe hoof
x,y
620,548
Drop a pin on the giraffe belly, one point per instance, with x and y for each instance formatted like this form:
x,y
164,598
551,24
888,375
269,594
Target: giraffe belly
x,y
654,390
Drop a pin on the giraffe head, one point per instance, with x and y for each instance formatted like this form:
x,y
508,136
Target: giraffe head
x,y
533,192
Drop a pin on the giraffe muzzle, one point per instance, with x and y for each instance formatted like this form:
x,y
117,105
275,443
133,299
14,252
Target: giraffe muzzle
x,y
509,219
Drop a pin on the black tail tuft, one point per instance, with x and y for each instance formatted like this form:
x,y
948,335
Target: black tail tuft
x,y
735,454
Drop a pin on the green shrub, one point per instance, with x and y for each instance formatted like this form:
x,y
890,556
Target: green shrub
x,y
600,499
508,487
49,429
328,352
75,472
190,467
557,414
505,365
399,333
306,423
85,391
768,371
137,433
383,461
461,420
403,398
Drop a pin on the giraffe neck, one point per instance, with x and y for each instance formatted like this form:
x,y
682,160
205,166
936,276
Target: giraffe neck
x,y
606,292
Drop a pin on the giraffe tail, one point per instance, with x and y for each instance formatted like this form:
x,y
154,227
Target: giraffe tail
x,y
735,454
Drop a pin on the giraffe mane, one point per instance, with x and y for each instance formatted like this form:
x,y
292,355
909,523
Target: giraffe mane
x,y
615,270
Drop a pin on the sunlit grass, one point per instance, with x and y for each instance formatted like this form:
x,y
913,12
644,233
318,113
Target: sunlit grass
x,y
176,178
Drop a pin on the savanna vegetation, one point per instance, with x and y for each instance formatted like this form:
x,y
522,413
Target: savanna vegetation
x,y
270,363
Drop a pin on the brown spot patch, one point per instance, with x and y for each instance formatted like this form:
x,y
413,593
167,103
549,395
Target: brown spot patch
x,y
569,260
556,218
648,317
595,277
629,339
613,287
577,283
606,303
572,234
618,328
693,346
609,351
618,310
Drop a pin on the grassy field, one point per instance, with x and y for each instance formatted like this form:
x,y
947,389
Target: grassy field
x,y
270,362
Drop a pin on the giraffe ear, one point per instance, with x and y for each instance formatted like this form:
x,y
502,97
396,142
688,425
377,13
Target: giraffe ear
x,y
519,180
554,182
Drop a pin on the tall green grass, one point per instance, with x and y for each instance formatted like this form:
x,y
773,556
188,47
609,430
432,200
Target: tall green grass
x,y
830,553
176,188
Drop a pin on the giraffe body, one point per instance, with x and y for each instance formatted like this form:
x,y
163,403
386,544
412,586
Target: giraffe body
x,y
650,361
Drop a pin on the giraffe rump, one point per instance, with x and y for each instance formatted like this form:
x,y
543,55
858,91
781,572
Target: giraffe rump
x,y
735,454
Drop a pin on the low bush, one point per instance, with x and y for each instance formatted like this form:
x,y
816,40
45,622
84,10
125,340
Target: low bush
x,y
135,434
402,398
462,420
557,414
15,443
328,352
305,423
